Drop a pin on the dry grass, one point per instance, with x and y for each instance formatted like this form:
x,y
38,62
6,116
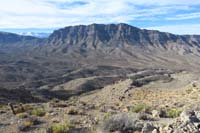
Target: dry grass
x,y
171,98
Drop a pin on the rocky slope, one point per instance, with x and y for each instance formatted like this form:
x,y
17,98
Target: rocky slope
x,y
100,78
161,106
79,52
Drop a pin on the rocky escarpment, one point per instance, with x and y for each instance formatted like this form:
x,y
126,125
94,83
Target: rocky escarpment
x,y
102,37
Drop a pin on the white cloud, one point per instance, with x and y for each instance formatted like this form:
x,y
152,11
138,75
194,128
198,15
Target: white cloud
x,y
185,16
46,13
178,29
49,14
165,2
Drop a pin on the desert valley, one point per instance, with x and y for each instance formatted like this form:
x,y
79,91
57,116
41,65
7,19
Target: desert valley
x,y
100,78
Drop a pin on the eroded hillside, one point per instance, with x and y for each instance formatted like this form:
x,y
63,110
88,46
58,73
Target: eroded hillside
x,y
100,78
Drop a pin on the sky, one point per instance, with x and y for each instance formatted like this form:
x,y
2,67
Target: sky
x,y
175,16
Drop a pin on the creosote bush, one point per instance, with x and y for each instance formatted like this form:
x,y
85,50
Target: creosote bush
x,y
174,112
22,115
38,112
62,127
138,108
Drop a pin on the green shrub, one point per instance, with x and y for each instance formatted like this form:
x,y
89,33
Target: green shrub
x,y
38,112
62,127
138,108
55,100
22,115
174,112
28,107
107,116
1,106
42,130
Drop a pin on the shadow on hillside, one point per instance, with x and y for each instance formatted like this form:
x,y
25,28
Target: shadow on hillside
x,y
90,85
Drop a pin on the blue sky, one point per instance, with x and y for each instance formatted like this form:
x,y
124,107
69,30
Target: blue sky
x,y
175,16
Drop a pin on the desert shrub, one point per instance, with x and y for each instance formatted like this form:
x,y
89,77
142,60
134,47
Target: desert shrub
x,y
38,112
173,112
73,111
62,127
1,106
42,130
138,108
22,115
28,123
123,123
19,110
28,107
55,100
107,116
25,125
188,91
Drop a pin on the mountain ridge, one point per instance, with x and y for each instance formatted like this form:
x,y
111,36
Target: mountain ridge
x,y
116,42
98,36
105,42
73,52
124,32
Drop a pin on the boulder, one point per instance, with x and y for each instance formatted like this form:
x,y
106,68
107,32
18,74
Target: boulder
x,y
148,128
155,114
187,123
145,116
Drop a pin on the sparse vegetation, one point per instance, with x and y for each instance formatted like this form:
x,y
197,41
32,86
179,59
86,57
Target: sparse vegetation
x,y
73,111
38,112
62,127
1,106
188,91
22,115
107,116
42,130
174,112
115,75
25,125
122,122
55,100
138,108
28,107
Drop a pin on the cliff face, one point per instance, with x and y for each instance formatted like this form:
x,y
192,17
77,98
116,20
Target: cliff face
x,y
106,45
102,37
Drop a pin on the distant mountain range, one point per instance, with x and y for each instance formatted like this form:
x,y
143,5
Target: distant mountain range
x,y
35,34
119,42
88,51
